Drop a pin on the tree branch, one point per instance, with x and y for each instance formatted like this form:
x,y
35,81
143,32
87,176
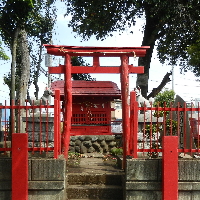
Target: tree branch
x,y
165,80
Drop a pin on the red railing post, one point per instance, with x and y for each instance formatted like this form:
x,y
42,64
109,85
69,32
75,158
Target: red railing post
x,y
133,124
170,168
19,166
56,124
57,97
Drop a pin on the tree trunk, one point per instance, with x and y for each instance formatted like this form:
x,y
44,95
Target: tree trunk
x,y
149,39
36,73
25,75
12,89
165,80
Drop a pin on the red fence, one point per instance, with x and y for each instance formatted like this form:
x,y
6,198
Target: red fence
x,y
149,125
40,122
166,132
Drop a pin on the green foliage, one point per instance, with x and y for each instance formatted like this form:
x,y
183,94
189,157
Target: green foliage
x,y
14,13
74,159
173,23
165,98
194,56
73,155
38,19
78,61
116,151
151,130
171,126
3,55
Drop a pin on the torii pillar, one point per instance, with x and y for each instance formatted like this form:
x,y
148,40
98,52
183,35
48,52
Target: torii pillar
x,y
96,52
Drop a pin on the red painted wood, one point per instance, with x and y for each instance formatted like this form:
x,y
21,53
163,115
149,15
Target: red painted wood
x,y
84,69
61,50
170,168
123,52
57,97
92,88
56,129
68,105
95,61
93,98
19,166
125,105
133,124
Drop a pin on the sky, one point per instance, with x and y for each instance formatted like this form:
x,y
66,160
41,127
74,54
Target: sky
x,y
184,84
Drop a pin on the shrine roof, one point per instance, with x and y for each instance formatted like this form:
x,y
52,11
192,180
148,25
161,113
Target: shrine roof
x,y
91,88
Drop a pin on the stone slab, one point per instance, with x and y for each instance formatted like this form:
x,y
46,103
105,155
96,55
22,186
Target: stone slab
x,y
143,169
48,169
143,185
5,195
189,195
189,186
5,185
46,195
46,185
143,195
5,169
189,170
184,126
38,119
149,185
40,136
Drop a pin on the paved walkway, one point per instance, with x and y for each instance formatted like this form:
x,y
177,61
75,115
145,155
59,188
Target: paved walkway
x,y
95,164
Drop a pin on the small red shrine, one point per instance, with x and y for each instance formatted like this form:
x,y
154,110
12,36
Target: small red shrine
x,y
124,69
91,105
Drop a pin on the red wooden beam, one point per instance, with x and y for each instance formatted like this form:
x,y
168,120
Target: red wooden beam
x,y
19,166
96,62
170,168
85,69
61,50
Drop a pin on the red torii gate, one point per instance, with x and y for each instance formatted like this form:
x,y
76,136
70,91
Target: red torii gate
x,y
96,52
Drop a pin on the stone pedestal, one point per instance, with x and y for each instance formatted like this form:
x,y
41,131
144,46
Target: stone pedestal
x,y
40,129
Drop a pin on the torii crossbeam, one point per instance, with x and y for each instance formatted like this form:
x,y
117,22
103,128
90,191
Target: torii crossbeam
x,y
96,52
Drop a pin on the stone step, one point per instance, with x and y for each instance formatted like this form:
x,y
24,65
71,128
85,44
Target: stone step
x,y
86,179
94,191
90,199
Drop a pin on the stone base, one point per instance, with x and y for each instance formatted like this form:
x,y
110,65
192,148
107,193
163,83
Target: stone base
x,y
97,143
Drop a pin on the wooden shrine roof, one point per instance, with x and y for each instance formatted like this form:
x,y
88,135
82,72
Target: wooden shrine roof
x,y
92,88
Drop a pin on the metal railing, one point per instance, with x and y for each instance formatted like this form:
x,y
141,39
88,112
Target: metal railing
x,y
40,122
150,124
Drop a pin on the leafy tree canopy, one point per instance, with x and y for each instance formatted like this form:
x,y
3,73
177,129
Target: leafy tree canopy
x,y
37,18
3,55
171,25
173,22
194,56
164,98
78,61
14,13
